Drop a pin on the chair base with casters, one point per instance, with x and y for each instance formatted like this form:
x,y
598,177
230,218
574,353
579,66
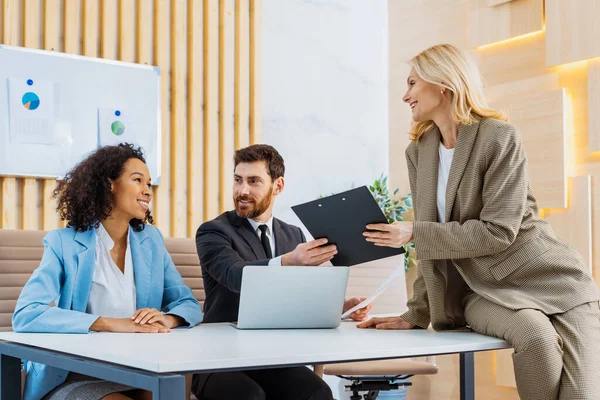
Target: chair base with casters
x,y
376,376
373,385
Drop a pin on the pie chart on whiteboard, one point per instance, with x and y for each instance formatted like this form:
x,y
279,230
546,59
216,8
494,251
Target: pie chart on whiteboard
x,y
31,101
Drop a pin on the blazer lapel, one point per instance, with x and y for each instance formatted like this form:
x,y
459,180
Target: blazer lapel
x,y
86,260
281,245
141,255
462,153
244,229
427,175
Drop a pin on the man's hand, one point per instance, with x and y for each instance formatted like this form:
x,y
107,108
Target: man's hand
x,y
362,313
390,235
152,315
126,325
311,253
386,323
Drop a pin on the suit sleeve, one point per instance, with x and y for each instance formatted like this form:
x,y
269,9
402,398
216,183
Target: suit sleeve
x,y
219,259
504,198
33,312
418,305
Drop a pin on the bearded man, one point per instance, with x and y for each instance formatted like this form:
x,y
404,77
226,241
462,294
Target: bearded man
x,y
250,235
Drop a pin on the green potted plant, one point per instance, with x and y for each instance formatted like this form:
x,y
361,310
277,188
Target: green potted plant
x,y
393,209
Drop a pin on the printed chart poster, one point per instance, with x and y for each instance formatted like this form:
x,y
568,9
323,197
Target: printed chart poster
x,y
115,126
31,111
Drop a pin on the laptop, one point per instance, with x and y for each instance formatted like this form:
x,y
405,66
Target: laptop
x,y
292,297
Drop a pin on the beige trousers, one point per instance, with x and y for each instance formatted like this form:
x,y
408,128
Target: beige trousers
x,y
556,356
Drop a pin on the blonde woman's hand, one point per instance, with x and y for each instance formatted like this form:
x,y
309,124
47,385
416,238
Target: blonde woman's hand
x,y
386,323
395,235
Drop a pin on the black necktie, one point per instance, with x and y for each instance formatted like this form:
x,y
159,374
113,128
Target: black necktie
x,y
264,239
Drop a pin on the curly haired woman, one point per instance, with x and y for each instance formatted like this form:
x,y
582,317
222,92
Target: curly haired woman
x,y
107,271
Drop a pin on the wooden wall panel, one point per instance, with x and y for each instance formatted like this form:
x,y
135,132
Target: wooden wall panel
x,y
52,25
499,22
255,71
72,26
11,10
512,61
195,156
539,116
574,224
162,202
126,30
32,14
226,104
242,74
515,88
505,372
596,228
178,119
108,29
573,78
144,13
211,116
91,21
572,31
51,41
209,57
593,110
493,3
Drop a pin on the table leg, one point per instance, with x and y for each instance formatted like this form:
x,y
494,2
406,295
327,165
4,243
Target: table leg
x,y
170,387
10,377
467,376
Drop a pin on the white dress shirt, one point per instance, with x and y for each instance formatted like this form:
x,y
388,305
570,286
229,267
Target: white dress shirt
x,y
276,261
445,163
113,292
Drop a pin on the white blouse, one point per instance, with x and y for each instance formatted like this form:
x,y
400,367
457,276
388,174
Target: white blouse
x,y
113,292
443,173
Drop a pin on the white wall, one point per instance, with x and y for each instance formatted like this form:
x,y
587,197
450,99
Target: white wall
x,y
325,94
325,106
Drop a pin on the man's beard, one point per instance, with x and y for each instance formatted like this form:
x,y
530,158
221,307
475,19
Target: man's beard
x,y
255,208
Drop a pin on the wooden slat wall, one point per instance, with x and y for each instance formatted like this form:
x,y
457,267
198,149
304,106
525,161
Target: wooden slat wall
x,y
208,52
10,33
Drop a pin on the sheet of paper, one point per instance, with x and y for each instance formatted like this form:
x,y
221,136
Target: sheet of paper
x,y
393,276
115,126
31,111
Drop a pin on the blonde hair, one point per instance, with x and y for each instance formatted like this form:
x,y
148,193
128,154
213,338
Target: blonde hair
x,y
447,66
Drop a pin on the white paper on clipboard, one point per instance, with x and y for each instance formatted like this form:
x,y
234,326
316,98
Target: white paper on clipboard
x,y
393,276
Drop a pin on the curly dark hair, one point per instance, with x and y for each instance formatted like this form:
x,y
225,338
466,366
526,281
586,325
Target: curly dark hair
x,y
84,196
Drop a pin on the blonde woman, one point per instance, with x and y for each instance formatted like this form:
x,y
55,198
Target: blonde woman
x,y
487,261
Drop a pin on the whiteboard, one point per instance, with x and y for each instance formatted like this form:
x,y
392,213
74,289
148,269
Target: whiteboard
x,y
56,108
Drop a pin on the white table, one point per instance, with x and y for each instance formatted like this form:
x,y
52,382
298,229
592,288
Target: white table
x,y
157,362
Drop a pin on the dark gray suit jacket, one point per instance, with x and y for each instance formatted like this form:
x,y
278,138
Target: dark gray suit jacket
x,y
225,246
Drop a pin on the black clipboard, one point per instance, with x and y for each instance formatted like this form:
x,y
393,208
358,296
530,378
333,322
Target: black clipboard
x,y
342,218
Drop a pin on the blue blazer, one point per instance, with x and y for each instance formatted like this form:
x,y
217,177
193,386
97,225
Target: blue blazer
x,y
65,277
